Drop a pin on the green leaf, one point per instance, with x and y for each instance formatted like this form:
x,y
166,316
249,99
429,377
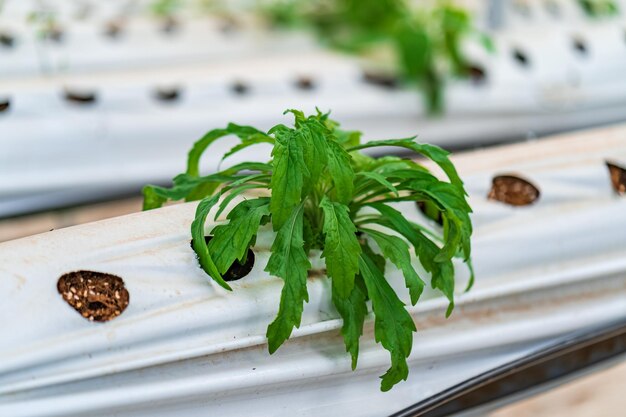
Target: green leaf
x,y
290,262
287,179
352,310
245,133
394,326
379,179
153,197
442,273
199,244
397,251
341,247
340,172
435,153
313,136
231,241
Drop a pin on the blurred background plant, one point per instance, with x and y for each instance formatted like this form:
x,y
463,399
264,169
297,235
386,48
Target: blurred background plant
x,y
419,44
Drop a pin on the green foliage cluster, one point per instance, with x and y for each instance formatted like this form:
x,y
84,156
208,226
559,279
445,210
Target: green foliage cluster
x,y
599,8
426,40
327,196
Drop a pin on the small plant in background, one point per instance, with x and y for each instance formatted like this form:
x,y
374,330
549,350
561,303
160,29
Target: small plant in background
x,y
324,195
599,8
425,40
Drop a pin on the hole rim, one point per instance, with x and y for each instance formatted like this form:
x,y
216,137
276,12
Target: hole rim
x,y
237,270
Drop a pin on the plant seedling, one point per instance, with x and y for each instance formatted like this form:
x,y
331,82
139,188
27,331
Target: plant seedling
x,y
325,196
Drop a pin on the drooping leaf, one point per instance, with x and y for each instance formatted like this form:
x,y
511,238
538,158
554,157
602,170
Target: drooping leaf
x,y
290,262
394,326
442,273
341,247
199,244
397,251
352,310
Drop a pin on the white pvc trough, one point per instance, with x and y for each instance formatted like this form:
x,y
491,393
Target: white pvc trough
x,y
184,346
127,138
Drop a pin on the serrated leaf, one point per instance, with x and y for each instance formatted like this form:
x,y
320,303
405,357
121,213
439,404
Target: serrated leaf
x,y
340,171
352,310
287,179
290,262
434,153
199,244
397,251
315,155
380,180
442,273
242,132
341,246
231,241
394,326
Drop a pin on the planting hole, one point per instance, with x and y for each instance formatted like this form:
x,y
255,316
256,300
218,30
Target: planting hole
x,y
237,270
512,190
305,83
167,94
80,97
54,34
477,74
579,46
7,40
228,26
240,88
170,25
113,29
5,104
94,295
380,79
431,211
618,177
521,58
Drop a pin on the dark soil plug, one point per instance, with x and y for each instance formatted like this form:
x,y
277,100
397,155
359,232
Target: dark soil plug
x,y
382,80
618,177
170,25
579,46
80,97
167,94
305,83
240,88
5,104
54,34
7,40
477,74
521,58
114,29
237,270
95,295
513,191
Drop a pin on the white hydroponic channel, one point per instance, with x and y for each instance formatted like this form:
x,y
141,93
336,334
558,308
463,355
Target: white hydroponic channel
x,y
57,152
184,346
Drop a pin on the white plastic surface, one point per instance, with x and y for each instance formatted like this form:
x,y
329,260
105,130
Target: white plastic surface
x,y
127,139
186,347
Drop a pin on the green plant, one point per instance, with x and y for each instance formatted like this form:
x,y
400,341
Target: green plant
x,y
599,8
425,41
327,196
